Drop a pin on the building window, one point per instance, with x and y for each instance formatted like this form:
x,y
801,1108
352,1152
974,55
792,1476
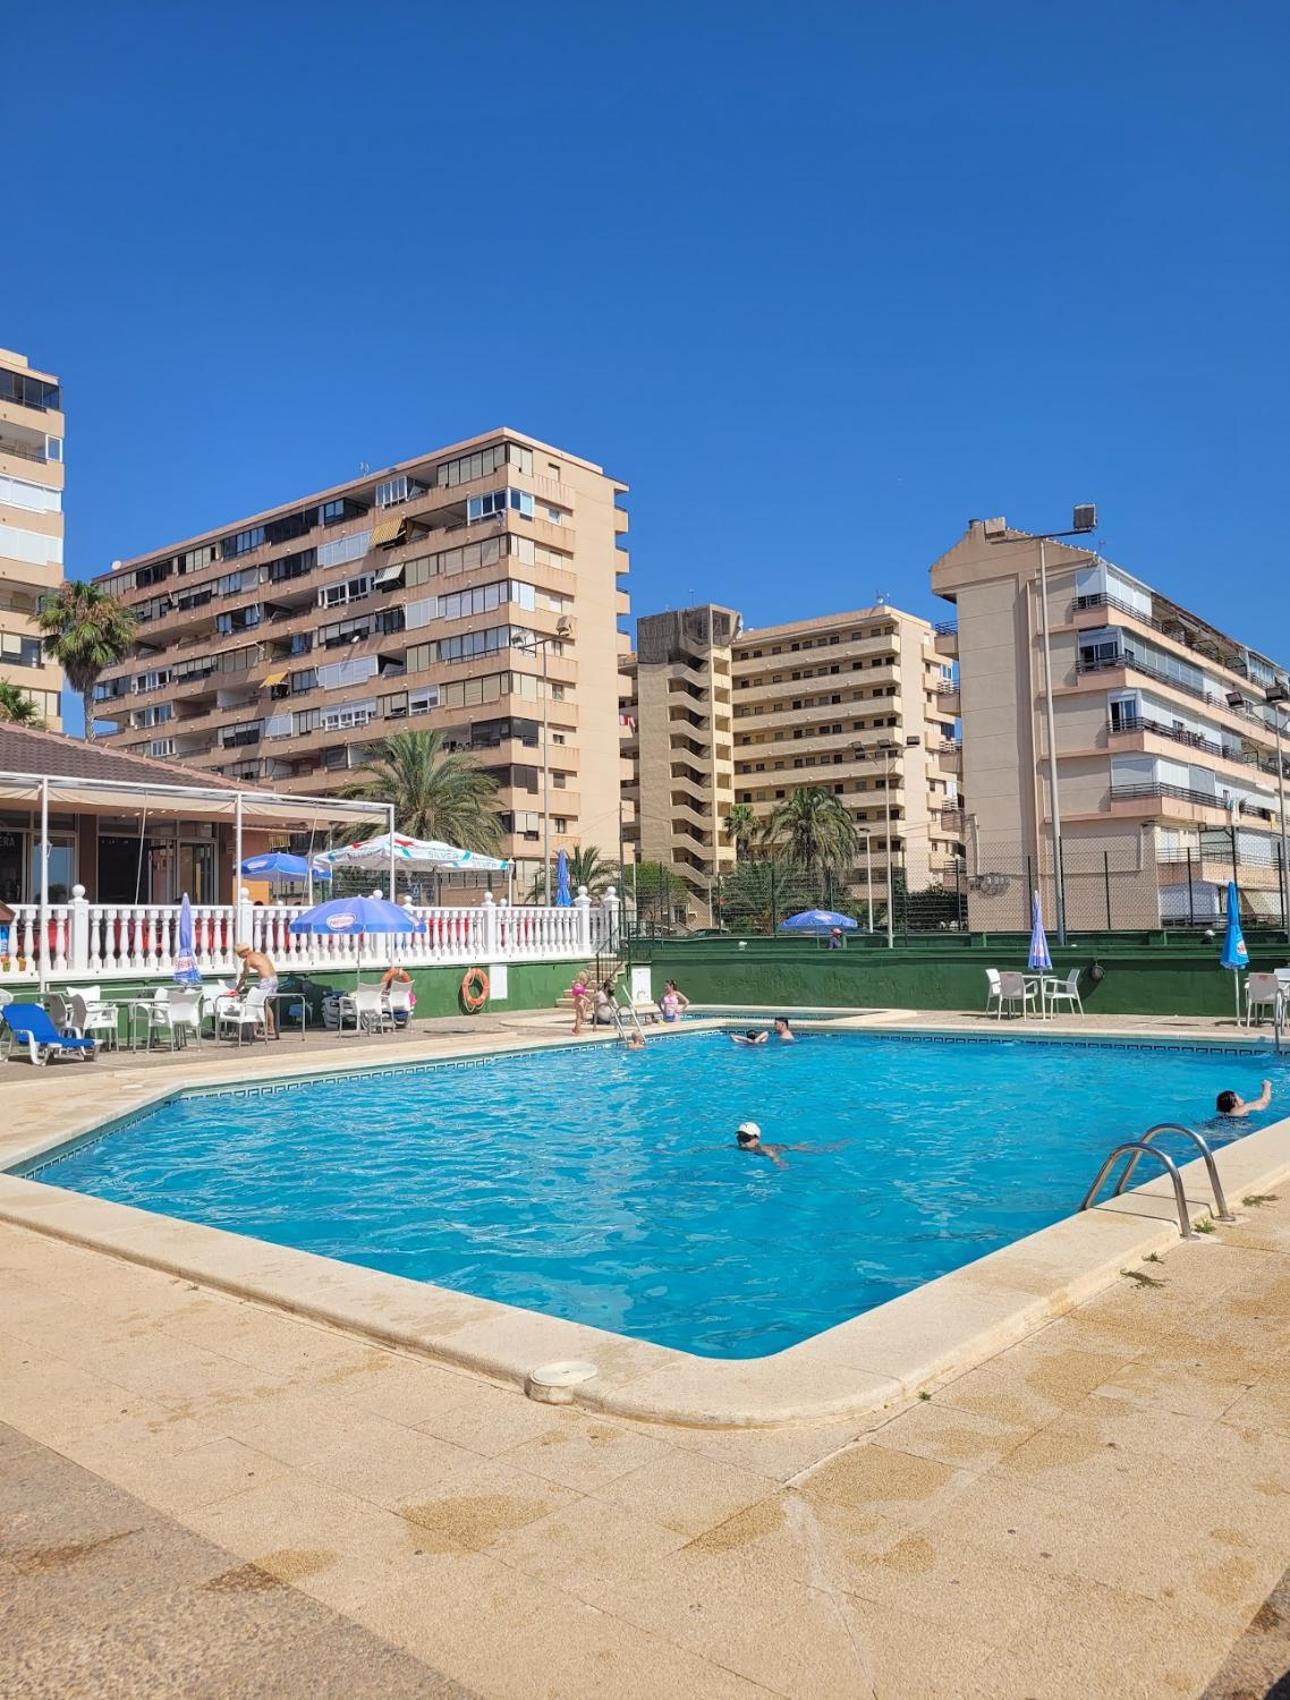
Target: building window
x,y
242,542
497,502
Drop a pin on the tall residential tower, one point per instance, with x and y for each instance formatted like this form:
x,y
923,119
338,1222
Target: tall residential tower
x,y
31,525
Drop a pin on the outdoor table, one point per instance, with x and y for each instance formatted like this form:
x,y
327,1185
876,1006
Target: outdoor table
x,y
1042,981
132,1007
276,998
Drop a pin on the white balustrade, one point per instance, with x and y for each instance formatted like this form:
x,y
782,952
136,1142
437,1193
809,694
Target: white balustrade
x,y
142,939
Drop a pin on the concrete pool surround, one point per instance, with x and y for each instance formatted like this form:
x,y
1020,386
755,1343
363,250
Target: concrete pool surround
x,y
870,1361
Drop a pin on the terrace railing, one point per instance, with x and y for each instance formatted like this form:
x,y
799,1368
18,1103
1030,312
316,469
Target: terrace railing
x,y
132,940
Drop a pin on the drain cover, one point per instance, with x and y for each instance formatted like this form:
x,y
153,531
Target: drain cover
x,y
552,1384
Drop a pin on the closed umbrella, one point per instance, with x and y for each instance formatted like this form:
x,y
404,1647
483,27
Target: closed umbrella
x,y
1039,961
187,973
562,898
1235,956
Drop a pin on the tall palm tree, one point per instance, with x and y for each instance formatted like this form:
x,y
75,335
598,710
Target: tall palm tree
x,y
741,828
586,867
17,707
436,793
815,829
86,631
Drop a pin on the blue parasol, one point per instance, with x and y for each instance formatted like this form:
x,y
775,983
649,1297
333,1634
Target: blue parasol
x,y
1039,960
1235,956
186,970
280,864
562,897
351,915
818,921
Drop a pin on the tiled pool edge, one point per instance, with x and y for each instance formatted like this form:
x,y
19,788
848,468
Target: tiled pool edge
x,y
863,1364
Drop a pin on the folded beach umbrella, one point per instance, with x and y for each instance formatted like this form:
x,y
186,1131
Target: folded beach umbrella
x,y
1039,960
1235,956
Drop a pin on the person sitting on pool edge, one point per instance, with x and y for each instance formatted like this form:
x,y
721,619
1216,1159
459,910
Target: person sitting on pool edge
x,y
783,1031
1232,1104
751,1037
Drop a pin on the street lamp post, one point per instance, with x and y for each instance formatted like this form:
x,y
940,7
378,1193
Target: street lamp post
x,y
1275,695
868,873
1083,519
533,646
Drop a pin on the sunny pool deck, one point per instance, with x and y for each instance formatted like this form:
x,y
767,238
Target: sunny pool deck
x,y
1097,1511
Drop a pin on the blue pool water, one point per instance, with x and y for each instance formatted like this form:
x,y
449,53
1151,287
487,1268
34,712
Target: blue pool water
x,y
604,1186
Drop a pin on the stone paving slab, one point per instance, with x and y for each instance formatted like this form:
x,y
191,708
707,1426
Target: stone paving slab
x,y
103,1597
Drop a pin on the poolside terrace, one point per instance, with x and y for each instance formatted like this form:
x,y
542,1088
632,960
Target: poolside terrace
x,y
206,1492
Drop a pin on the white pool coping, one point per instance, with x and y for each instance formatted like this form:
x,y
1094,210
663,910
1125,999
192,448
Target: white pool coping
x,y
871,1360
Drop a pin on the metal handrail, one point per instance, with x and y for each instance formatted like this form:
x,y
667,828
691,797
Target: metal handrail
x,y
1171,1168
1220,1200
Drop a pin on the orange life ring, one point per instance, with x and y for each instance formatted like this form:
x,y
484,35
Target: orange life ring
x,y
474,988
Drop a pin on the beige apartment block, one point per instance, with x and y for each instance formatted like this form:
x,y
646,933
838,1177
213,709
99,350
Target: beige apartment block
x,y
684,781
31,525
1167,765
467,591
860,703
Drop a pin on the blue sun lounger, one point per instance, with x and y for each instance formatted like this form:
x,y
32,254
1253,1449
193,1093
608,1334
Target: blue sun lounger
x,y
28,1024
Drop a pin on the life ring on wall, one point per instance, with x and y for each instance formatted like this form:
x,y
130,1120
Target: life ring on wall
x,y
474,988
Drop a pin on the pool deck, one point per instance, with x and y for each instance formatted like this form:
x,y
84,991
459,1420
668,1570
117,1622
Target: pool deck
x,y
1101,1507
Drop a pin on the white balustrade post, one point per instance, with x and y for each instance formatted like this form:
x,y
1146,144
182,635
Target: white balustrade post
x,y
245,918
582,908
80,929
492,952
611,907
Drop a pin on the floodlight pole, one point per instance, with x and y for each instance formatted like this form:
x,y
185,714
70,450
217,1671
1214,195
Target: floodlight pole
x,y
1275,698
1084,521
44,885
391,852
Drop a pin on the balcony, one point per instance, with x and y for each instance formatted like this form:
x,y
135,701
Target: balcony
x,y
947,700
1156,791
945,637
1140,724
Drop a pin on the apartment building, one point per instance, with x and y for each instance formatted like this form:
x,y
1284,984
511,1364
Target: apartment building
x,y
475,590
1166,746
31,525
858,702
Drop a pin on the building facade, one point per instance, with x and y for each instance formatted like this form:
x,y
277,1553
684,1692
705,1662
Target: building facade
x,y
31,525
1166,747
858,702
475,590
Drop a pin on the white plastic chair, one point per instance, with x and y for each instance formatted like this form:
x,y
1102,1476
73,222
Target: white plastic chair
x,y
96,1020
1065,991
398,1001
241,1014
365,1006
994,990
178,1013
63,1016
1014,989
1261,992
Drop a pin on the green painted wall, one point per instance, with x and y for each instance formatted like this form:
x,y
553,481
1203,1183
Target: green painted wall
x,y
532,985
1140,978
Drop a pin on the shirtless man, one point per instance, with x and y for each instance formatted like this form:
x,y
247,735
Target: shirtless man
x,y
257,963
1232,1104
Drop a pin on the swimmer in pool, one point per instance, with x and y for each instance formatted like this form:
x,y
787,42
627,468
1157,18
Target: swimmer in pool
x,y
748,1138
635,1041
783,1031
751,1037
1232,1104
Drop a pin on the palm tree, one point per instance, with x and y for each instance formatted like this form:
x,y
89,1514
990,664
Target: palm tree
x,y
741,828
586,867
658,891
85,631
813,826
756,896
17,707
436,793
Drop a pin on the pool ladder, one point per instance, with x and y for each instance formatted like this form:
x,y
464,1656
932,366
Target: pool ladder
x,y
619,1012
1144,1147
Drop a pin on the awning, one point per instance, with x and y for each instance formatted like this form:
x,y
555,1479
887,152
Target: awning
x,y
273,679
388,576
386,530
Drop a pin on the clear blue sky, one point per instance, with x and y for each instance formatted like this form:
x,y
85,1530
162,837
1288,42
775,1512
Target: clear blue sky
x,y
820,281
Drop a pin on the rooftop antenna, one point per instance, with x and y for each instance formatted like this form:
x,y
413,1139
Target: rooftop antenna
x,y
363,469
880,598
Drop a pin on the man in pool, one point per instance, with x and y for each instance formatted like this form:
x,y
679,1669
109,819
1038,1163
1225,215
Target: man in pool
x,y
1232,1104
783,1031
751,1037
748,1138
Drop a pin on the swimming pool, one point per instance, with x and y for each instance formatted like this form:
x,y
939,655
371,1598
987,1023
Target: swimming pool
x,y
603,1186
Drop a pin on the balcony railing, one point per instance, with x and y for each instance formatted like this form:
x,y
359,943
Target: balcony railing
x,y
1194,741
1184,794
139,940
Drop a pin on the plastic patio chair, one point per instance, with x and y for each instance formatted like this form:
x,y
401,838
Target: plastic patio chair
x,y
365,1006
993,990
1261,992
1065,991
242,1014
1014,990
178,1014
30,1025
96,1020
399,1000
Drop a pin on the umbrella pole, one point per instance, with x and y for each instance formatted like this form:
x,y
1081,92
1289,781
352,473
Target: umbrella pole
x,y
1236,993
